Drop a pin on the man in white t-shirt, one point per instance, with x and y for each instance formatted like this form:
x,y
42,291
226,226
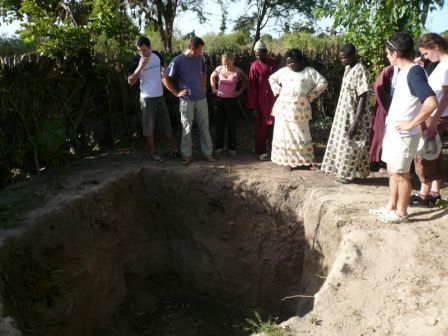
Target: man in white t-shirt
x,y
412,104
147,68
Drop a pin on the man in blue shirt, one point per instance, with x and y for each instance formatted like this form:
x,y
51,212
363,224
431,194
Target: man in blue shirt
x,y
188,69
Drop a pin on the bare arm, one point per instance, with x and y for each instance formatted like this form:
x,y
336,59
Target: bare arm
x,y
360,110
428,106
243,78
166,80
434,120
134,77
213,81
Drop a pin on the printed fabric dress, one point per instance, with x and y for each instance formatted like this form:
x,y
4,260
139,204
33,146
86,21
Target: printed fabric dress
x,y
292,144
344,157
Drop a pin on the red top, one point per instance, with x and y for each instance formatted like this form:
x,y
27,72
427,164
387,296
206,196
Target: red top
x,y
259,94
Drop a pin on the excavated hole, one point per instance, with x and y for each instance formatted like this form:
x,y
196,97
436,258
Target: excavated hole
x,y
156,252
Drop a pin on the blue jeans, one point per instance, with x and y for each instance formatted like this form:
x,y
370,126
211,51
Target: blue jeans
x,y
189,111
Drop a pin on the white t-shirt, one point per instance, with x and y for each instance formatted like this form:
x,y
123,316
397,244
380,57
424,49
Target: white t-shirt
x,y
437,79
151,78
411,91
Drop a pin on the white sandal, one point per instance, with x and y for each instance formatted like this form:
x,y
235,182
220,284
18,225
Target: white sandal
x,y
393,218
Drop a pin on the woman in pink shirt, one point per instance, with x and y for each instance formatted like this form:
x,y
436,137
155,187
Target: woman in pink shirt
x,y
224,82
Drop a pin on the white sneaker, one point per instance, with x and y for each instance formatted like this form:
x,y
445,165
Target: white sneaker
x,y
264,157
219,151
393,218
232,152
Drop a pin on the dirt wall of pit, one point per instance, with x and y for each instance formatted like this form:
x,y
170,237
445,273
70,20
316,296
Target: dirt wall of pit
x,y
66,271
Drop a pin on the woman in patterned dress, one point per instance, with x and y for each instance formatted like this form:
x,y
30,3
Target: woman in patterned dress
x,y
296,85
347,153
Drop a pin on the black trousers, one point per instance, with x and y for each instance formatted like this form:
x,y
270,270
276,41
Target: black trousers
x,y
226,115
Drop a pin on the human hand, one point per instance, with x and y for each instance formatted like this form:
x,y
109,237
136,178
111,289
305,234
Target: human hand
x,y
353,130
402,126
432,131
419,61
143,61
183,93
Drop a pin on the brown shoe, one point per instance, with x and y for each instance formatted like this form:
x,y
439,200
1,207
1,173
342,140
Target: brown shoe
x,y
187,160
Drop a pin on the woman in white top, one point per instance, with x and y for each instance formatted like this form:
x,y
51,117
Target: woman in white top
x,y
434,48
296,86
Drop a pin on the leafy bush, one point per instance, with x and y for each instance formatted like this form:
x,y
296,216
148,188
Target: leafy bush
x,y
10,46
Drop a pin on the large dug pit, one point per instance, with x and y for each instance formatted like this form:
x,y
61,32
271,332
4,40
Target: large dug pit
x,y
159,252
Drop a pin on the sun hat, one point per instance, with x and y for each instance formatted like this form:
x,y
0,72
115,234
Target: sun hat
x,y
429,149
260,45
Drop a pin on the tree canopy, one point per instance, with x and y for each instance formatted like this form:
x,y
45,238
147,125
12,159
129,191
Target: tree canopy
x,y
260,12
367,23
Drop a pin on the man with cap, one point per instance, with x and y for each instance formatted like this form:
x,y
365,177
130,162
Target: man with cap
x,y
260,98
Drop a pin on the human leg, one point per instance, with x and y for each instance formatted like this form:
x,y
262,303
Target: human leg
x,y
404,187
201,113
163,121
220,124
260,138
231,121
147,120
186,109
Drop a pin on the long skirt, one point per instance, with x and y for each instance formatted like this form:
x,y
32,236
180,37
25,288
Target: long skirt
x,y
292,144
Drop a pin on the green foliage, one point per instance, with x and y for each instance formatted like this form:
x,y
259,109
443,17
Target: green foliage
x,y
245,23
160,15
269,327
306,42
236,41
50,139
441,203
279,10
10,46
63,31
52,36
368,23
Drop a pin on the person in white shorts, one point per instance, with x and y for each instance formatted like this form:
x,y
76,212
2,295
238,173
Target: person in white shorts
x,y
412,104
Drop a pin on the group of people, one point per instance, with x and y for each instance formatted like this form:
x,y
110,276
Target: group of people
x,y
408,108
416,114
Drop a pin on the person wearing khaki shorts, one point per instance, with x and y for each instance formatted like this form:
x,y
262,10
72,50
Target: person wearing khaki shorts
x,y
399,152
146,68
412,104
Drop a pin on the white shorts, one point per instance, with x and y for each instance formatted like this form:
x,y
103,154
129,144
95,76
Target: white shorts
x,y
398,152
